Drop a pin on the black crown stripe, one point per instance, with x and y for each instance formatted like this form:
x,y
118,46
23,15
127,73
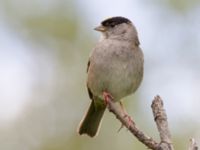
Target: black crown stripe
x,y
115,21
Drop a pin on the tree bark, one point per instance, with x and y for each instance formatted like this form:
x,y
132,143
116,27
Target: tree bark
x,y
160,117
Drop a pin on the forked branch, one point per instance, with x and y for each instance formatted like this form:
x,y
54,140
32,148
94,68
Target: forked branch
x,y
160,118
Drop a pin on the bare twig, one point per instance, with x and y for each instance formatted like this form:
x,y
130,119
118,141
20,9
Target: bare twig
x,y
193,145
130,125
161,122
160,117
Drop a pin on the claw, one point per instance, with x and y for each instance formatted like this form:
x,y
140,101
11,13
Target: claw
x,y
120,128
107,97
130,121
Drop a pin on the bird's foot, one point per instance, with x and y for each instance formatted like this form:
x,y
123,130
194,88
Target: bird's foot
x,y
107,97
120,128
130,120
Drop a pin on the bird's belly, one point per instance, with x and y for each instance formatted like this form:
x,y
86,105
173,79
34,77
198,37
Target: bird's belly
x,y
119,78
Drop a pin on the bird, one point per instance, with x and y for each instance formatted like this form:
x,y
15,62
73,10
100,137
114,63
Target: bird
x,y
115,69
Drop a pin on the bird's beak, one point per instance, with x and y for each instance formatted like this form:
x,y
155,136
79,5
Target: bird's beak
x,y
100,28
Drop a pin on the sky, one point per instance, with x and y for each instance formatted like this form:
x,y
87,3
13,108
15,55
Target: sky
x,y
13,90
161,35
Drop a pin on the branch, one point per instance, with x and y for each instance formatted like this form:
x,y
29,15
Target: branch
x,y
160,118
130,125
193,145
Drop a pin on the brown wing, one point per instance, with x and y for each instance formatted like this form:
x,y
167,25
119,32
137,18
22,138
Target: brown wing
x,y
88,65
89,91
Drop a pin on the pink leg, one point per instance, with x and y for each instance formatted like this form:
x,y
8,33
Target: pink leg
x,y
130,121
107,97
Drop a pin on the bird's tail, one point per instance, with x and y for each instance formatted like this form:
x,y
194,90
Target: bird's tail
x,y
91,121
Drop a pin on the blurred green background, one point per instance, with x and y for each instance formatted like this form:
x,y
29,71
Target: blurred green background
x,y
44,49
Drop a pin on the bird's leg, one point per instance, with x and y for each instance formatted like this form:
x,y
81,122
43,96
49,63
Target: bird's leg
x,y
107,97
130,121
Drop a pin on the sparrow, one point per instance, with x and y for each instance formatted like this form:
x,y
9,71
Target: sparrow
x,y
115,69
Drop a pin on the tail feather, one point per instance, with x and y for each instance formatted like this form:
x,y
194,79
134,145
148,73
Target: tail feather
x,y
91,121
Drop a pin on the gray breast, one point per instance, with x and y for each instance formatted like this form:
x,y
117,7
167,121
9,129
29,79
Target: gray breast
x,y
115,68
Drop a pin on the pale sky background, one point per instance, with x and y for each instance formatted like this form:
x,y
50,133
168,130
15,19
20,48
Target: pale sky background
x,y
43,71
163,32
